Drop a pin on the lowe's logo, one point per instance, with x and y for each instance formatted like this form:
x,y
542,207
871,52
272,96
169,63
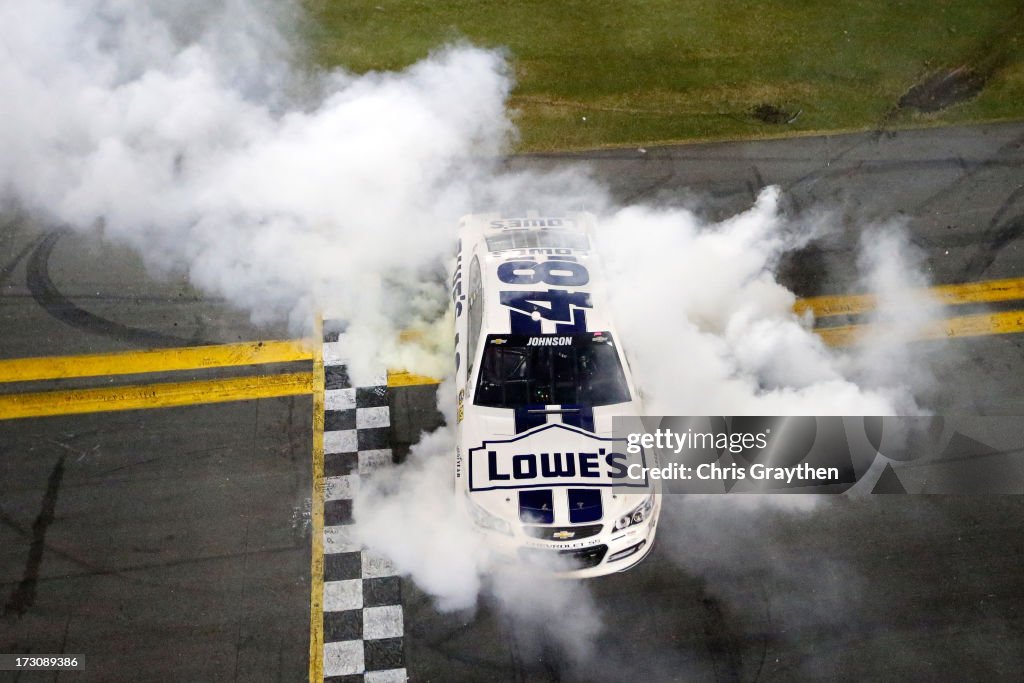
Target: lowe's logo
x,y
553,455
549,465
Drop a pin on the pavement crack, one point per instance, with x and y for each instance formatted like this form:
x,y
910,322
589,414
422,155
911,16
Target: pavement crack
x,y
25,594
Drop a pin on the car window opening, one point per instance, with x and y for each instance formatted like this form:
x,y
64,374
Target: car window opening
x,y
536,507
581,369
538,239
584,505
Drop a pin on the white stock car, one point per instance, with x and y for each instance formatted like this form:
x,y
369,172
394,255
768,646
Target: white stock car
x,y
539,376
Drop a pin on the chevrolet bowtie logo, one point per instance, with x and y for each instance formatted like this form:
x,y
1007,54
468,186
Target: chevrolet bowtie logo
x,y
563,535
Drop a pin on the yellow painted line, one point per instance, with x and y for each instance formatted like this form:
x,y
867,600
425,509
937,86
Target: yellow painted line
x,y
316,572
843,335
162,395
981,324
156,360
990,291
402,378
840,304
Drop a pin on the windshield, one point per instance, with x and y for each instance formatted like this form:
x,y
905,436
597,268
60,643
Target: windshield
x,y
550,369
538,239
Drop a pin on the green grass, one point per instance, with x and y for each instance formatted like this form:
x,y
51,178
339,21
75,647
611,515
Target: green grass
x,y
663,71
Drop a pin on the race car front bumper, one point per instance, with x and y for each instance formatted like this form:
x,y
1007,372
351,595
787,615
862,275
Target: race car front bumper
x,y
606,553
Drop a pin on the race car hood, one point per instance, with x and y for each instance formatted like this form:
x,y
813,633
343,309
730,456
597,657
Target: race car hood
x,y
545,448
555,450
483,423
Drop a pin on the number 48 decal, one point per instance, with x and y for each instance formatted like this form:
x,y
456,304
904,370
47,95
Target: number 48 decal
x,y
556,305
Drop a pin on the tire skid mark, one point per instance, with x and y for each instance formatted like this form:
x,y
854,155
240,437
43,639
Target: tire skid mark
x,y
1006,234
650,189
1000,235
758,177
768,628
63,309
24,595
519,672
1006,205
879,167
720,641
6,271
1005,156
125,573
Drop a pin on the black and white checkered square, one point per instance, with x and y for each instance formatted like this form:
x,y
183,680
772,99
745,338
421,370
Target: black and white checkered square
x,y
363,623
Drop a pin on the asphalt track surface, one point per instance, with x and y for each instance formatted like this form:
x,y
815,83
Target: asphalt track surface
x,y
173,544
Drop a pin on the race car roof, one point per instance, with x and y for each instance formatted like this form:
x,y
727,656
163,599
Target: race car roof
x,y
531,254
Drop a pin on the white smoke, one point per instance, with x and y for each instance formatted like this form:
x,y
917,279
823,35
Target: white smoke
x,y
404,515
892,268
712,332
187,132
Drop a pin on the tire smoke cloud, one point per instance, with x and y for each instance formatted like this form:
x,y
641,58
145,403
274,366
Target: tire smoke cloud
x,y
187,131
